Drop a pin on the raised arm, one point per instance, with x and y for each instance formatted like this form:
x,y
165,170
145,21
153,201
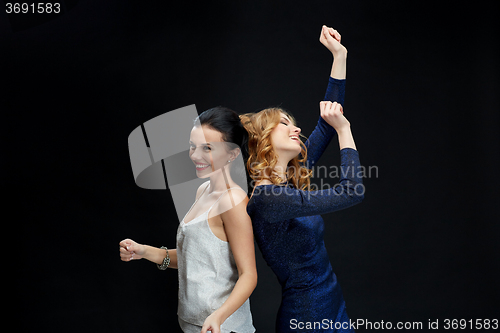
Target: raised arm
x,y
330,38
278,203
323,133
335,92
283,203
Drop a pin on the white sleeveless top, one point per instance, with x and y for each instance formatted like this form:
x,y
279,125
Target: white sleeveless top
x,y
207,274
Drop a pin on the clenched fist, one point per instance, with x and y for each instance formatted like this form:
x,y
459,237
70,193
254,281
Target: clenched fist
x,y
130,250
333,114
330,38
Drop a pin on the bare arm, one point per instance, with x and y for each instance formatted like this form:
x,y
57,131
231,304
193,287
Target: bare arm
x,y
346,139
157,255
238,227
333,113
323,132
131,250
339,66
330,38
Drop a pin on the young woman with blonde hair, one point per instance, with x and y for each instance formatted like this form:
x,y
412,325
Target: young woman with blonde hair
x,y
284,208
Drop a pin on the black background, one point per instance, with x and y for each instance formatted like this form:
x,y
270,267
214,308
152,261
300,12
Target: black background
x,y
422,99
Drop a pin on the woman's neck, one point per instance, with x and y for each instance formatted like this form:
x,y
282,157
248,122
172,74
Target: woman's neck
x,y
280,169
221,180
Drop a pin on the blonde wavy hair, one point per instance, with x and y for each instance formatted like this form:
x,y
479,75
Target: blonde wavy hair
x,y
262,158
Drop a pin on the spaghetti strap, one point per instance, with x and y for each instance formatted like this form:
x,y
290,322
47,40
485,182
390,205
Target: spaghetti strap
x,y
194,203
223,194
207,211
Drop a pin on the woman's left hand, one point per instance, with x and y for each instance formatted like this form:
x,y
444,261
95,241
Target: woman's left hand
x,y
211,324
333,114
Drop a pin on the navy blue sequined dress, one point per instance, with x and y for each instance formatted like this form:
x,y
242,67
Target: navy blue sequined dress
x,y
289,233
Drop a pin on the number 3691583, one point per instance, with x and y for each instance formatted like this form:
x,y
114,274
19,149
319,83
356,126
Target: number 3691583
x,y
40,8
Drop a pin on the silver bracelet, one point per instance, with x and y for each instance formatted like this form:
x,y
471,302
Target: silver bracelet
x,y
166,261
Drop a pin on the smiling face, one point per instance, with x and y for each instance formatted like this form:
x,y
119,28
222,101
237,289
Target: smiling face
x,y
208,151
285,139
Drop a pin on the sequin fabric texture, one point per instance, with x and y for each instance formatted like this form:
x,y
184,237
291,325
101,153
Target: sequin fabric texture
x,y
290,234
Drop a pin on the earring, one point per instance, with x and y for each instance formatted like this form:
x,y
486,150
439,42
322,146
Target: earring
x,y
229,161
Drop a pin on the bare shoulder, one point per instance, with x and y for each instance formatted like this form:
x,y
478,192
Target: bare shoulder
x,y
233,202
233,197
201,188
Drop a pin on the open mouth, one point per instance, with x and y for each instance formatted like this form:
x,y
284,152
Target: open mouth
x,y
200,167
295,138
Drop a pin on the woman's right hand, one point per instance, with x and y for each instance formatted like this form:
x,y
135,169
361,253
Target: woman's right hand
x,y
130,250
330,38
333,114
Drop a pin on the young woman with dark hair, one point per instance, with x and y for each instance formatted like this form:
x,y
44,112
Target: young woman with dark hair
x,y
215,254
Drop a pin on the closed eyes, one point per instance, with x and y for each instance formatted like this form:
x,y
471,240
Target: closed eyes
x,y
284,121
